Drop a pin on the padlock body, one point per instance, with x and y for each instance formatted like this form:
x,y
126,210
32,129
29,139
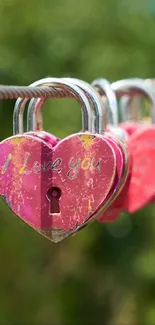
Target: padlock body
x,y
80,169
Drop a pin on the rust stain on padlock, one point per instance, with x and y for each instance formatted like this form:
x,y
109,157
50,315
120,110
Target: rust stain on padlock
x,y
17,140
87,140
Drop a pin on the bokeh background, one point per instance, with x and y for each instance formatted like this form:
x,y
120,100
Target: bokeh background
x,y
106,273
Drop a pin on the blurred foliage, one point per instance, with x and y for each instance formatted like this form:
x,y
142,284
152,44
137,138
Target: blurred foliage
x,y
106,273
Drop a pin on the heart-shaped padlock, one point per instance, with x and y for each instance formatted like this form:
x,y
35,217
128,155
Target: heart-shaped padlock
x,y
122,156
118,203
140,144
141,188
55,190
126,103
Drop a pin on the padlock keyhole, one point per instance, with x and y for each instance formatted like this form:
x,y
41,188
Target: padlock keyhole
x,y
53,196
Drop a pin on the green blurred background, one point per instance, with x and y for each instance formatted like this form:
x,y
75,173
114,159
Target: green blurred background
x,y
106,273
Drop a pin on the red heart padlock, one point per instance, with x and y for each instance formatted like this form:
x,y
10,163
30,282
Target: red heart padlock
x,y
142,182
128,201
139,190
127,102
131,200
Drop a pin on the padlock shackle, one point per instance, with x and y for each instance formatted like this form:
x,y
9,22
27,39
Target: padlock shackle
x,y
34,114
140,85
126,111
126,102
98,118
19,108
104,87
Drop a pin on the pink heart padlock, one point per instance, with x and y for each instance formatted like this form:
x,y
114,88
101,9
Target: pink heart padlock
x,y
56,189
33,175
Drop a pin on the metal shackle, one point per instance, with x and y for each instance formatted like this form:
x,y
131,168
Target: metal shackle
x,y
98,119
57,83
127,85
98,116
131,107
104,87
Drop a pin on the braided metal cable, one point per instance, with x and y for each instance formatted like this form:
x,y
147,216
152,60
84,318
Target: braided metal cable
x,y
14,92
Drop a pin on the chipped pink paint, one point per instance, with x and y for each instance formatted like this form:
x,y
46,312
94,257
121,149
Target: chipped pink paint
x,y
82,166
